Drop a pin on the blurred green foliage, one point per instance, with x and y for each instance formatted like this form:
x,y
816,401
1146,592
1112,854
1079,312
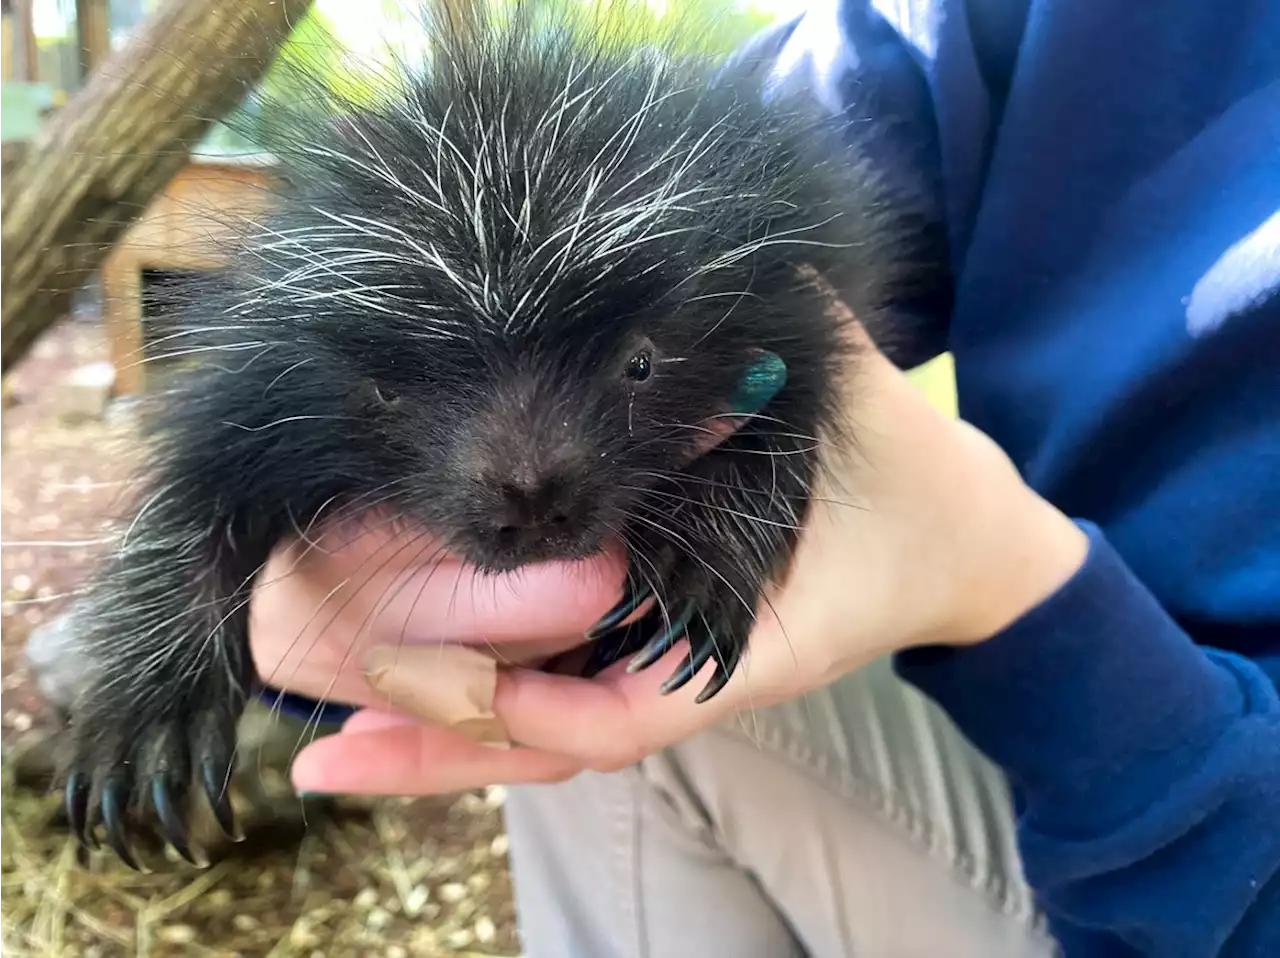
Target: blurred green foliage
x,y
319,50
314,46
715,27
314,50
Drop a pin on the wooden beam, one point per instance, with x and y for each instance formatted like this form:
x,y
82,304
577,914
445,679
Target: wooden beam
x,y
93,29
7,46
121,277
186,228
461,15
25,49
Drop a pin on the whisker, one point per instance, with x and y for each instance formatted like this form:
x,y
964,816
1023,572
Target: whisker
x,y
366,624
679,478
283,421
713,506
411,541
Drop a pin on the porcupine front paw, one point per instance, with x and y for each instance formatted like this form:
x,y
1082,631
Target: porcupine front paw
x,y
714,616
132,769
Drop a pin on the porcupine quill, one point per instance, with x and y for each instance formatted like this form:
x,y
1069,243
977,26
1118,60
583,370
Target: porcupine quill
x,y
501,299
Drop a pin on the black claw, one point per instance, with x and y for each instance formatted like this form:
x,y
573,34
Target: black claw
x,y
165,795
661,643
726,664
77,805
115,796
635,597
612,646
216,780
719,679
702,646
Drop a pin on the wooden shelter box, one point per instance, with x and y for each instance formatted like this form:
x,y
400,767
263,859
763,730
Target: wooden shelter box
x,y
181,231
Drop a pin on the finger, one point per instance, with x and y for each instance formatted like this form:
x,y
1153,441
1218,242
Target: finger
x,y
607,722
310,629
413,759
412,589
450,686
373,720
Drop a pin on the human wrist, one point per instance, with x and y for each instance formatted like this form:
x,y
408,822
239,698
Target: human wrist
x,y
1024,550
973,546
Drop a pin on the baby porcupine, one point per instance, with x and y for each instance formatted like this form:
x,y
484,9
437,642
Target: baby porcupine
x,y
502,300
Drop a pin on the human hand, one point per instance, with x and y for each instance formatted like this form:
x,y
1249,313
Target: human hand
x,y
924,534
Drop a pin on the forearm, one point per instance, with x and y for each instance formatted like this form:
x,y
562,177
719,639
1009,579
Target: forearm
x,y
1145,765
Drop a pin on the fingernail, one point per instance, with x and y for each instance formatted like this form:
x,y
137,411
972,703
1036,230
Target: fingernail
x,y
760,383
449,685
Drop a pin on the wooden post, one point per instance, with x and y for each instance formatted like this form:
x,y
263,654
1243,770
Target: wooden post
x,y
186,228
24,43
121,279
93,28
7,42
461,15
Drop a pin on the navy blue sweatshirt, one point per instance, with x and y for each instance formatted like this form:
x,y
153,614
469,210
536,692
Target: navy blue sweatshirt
x,y
1108,172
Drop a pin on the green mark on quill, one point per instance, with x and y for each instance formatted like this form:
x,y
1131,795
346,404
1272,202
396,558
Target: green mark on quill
x,y
760,383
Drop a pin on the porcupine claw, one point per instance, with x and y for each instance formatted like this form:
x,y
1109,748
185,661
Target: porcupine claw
x,y
127,766
635,596
610,640
76,794
638,637
703,647
215,775
115,796
651,637
167,796
660,644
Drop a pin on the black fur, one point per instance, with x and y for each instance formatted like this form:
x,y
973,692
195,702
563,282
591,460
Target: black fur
x,y
438,320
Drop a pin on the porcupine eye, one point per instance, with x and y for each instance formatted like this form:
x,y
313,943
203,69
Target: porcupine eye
x,y
640,366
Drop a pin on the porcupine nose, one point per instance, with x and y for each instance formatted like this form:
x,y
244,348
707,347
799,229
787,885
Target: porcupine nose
x,y
535,498
534,507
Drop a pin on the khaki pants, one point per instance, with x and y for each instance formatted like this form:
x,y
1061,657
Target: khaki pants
x,y
853,823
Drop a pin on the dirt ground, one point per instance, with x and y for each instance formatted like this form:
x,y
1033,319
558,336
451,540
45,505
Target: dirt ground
x,y
393,880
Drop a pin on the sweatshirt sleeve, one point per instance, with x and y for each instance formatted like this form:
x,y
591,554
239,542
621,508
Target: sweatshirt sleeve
x,y
1146,768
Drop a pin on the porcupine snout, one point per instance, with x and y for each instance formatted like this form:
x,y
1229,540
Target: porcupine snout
x,y
534,491
534,508
536,503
